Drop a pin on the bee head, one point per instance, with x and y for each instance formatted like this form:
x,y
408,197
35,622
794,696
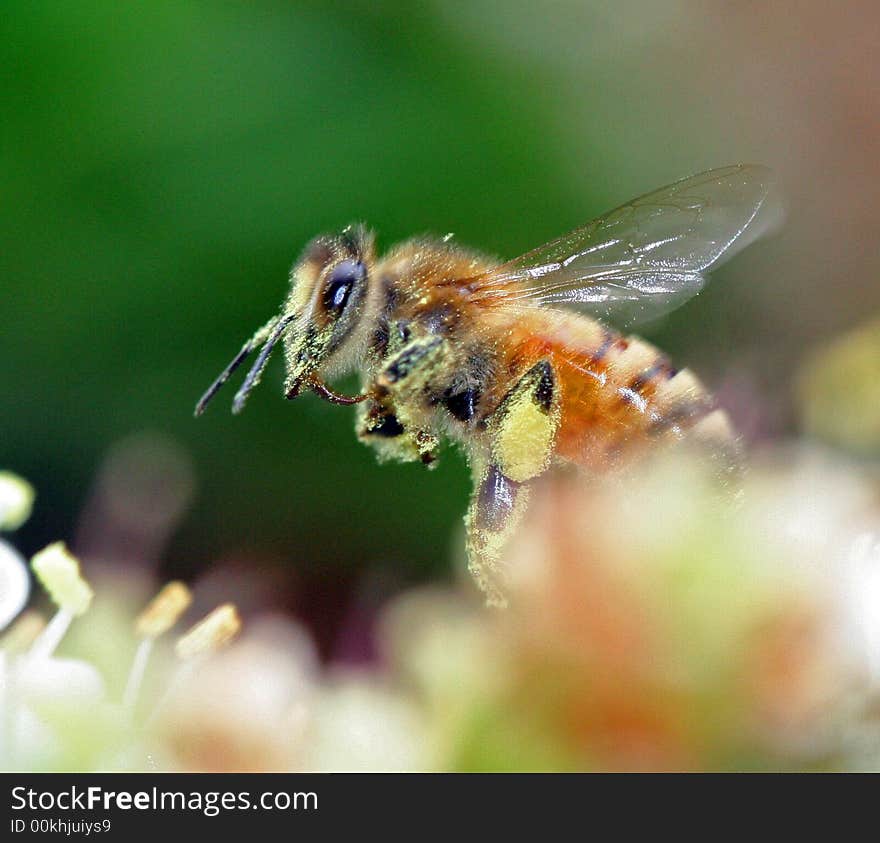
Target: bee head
x,y
327,301
319,321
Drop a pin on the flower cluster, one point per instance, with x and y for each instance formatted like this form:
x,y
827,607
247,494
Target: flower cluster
x,y
664,621
212,701
660,620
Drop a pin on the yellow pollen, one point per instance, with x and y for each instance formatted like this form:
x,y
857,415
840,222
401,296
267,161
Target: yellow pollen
x,y
57,569
211,633
163,611
524,441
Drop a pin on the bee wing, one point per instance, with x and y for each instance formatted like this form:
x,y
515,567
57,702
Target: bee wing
x,y
645,257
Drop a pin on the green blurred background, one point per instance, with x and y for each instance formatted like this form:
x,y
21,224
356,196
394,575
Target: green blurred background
x,y
164,163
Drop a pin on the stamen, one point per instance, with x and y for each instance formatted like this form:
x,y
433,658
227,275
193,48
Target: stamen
x,y
163,611
23,632
58,572
211,633
49,639
136,675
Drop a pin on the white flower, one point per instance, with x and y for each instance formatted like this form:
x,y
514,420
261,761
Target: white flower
x,y
15,584
243,708
16,500
861,590
48,680
358,724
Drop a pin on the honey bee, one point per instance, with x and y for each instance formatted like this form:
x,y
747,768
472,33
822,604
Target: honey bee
x,y
513,360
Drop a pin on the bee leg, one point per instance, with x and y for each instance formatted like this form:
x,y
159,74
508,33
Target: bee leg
x,y
496,507
380,426
410,368
523,428
403,383
522,433
378,421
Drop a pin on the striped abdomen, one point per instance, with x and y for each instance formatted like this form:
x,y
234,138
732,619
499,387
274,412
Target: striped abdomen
x,y
618,394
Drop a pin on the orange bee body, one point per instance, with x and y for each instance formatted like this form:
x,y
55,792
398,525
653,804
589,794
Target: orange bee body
x,y
617,393
508,358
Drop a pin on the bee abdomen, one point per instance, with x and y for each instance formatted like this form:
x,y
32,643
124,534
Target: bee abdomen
x,y
680,408
629,397
679,403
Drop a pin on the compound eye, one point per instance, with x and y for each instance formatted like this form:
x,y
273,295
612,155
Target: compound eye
x,y
340,283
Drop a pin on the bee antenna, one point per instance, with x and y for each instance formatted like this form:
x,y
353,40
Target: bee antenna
x,y
259,337
214,388
253,376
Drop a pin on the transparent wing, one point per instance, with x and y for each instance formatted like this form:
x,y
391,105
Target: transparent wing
x,y
645,257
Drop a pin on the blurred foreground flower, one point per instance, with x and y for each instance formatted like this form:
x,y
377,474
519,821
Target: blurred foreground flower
x,y
15,584
658,620
16,500
839,391
209,703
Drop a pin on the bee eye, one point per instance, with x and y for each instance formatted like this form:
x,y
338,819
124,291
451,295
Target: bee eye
x,y
340,283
